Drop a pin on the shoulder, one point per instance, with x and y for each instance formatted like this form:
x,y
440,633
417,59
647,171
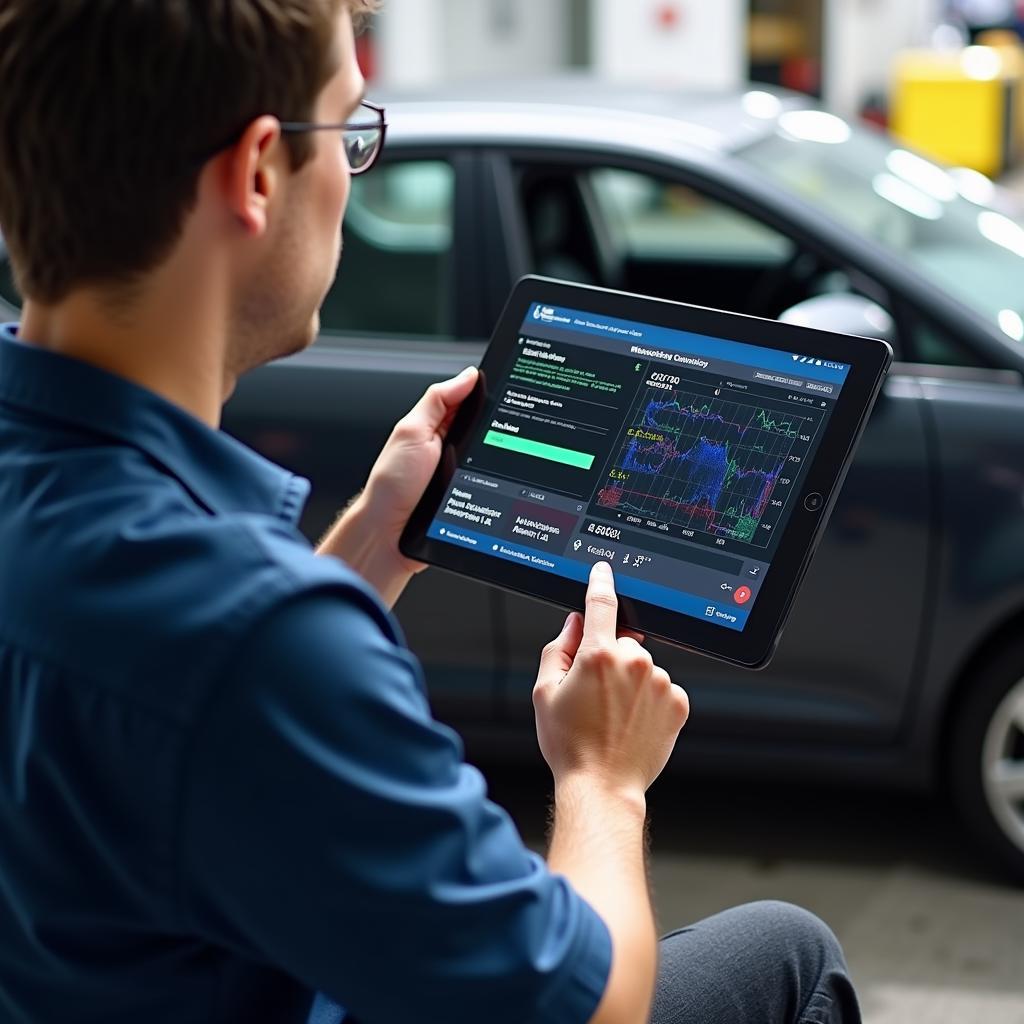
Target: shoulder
x,y
137,588
283,553
231,582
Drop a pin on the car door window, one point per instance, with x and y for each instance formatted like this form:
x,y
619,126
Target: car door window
x,y
931,345
677,242
656,235
396,267
652,219
647,233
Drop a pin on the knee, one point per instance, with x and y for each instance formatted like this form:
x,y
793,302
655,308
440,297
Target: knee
x,y
791,929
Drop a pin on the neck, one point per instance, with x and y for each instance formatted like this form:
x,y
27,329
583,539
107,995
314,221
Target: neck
x,y
176,349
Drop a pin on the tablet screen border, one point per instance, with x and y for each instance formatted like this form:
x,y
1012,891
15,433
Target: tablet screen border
x,y
753,646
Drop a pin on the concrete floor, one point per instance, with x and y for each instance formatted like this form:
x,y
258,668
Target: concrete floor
x,y
930,934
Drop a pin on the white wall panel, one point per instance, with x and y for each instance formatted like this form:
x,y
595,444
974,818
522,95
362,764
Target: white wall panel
x,y
425,41
691,42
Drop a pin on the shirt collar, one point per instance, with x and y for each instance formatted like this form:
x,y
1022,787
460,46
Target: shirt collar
x,y
222,474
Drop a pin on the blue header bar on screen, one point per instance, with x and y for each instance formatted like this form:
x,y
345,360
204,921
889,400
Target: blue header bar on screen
x,y
658,339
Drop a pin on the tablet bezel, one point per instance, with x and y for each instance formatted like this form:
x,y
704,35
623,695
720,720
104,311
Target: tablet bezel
x,y
869,360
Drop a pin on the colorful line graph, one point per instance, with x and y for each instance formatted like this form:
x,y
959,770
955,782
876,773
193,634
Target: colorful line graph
x,y
707,464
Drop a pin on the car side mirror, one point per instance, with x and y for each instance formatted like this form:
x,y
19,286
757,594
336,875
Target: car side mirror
x,y
844,314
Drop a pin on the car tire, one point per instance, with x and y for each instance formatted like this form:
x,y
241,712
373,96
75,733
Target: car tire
x,y
986,762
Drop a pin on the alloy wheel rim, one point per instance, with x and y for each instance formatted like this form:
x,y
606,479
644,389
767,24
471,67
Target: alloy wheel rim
x,y
1003,765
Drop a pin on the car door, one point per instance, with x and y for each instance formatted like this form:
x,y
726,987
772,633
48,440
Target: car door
x,y
393,323
844,670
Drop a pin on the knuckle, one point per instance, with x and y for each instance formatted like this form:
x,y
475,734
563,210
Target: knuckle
x,y
662,680
599,658
405,430
639,664
682,700
602,599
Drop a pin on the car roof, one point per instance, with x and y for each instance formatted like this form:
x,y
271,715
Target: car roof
x,y
581,108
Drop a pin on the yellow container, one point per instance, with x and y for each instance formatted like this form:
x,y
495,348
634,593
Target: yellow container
x,y
960,107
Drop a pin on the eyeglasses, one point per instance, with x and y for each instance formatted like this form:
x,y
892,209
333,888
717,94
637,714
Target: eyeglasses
x,y
363,138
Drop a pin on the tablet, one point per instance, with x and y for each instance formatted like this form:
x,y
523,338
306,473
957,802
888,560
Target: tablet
x,y
698,452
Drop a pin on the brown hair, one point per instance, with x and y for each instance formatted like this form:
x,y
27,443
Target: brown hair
x,y
108,110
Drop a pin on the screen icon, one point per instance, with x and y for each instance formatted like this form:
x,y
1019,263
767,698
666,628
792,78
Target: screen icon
x,y
742,595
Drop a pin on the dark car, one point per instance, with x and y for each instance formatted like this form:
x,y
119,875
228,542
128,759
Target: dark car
x,y
903,662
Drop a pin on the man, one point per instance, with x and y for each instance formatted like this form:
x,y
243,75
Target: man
x,y
221,790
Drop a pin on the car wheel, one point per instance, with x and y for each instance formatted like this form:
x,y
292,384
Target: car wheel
x,y
987,758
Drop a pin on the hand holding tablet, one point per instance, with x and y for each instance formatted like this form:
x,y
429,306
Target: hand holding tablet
x,y
699,452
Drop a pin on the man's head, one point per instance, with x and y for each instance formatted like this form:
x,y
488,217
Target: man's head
x,y
122,121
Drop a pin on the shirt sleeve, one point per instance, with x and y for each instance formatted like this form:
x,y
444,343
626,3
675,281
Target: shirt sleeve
x,y
331,828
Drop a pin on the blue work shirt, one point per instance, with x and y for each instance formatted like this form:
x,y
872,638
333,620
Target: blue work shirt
x,y
221,788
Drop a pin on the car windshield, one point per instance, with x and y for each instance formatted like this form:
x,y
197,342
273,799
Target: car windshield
x,y
940,221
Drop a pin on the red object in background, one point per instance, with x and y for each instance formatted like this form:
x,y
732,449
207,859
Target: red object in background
x,y
802,74
875,114
669,17
366,53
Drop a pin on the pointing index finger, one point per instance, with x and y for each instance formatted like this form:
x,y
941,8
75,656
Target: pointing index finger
x,y
602,606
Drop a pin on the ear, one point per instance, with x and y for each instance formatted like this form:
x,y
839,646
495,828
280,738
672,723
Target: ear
x,y
253,173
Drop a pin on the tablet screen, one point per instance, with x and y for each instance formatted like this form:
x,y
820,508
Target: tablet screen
x,y
676,457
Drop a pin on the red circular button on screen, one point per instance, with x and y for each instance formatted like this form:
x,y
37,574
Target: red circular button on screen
x,y
742,595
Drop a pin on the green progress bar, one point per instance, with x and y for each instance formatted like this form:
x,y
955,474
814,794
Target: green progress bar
x,y
539,450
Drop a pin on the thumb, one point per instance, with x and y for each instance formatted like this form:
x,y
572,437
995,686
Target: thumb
x,y
435,411
558,656
454,391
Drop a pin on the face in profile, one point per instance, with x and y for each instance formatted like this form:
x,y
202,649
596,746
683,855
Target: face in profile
x,y
278,309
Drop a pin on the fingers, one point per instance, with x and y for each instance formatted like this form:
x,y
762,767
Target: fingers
x,y
557,657
636,660
632,648
682,702
632,634
434,411
602,607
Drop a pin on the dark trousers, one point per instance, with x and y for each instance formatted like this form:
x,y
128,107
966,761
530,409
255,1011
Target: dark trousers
x,y
763,963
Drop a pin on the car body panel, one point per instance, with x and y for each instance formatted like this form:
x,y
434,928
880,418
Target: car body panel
x,y
979,582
